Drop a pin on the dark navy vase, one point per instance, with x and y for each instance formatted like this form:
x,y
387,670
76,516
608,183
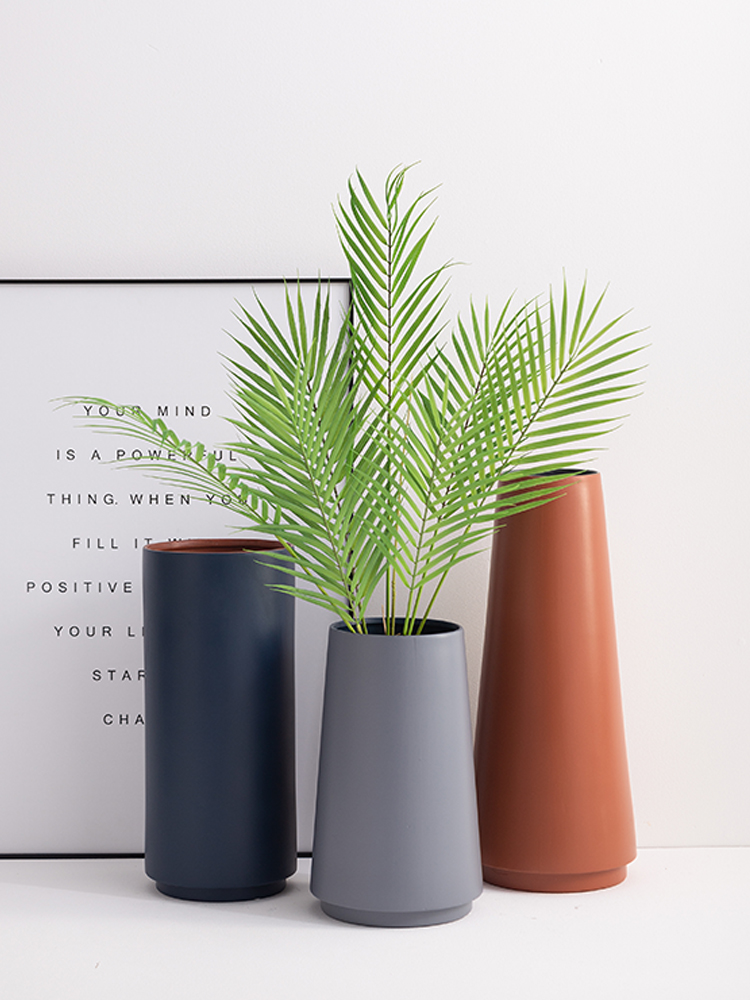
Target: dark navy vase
x,y
219,696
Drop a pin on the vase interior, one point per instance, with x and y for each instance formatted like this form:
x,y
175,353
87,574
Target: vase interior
x,y
433,626
217,545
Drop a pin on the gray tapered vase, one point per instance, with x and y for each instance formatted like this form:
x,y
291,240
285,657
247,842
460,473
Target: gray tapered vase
x,y
396,840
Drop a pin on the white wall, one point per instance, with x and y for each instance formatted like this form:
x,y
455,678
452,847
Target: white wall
x,y
164,138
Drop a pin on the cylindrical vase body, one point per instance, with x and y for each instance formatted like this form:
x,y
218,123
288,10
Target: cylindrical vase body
x,y
555,807
396,840
219,701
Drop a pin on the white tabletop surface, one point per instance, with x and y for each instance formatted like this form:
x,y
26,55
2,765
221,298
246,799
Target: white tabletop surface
x,y
678,927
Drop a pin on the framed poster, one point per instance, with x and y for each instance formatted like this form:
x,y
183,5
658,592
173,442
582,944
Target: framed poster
x,y
71,674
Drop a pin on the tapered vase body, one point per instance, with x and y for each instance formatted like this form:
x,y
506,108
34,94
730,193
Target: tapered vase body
x,y
219,661
396,840
553,788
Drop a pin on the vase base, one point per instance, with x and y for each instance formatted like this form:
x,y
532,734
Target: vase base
x,y
554,881
385,918
220,895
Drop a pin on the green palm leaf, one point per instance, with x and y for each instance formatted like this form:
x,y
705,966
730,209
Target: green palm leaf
x,y
374,453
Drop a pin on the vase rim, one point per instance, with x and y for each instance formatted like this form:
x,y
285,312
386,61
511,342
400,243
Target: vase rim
x,y
216,546
571,472
434,627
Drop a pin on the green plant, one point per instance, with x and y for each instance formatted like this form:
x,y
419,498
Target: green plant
x,y
378,454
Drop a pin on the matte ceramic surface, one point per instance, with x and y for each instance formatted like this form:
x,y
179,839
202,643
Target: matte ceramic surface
x,y
396,840
219,659
554,796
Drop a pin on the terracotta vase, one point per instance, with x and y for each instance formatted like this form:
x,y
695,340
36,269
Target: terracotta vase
x,y
555,809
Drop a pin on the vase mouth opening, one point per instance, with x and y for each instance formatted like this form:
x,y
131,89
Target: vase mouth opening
x,y
571,472
216,546
375,627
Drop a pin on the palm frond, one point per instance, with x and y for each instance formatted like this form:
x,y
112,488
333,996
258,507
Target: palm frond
x,y
513,405
370,450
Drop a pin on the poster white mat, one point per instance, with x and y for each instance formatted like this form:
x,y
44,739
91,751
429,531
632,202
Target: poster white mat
x,y
71,674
